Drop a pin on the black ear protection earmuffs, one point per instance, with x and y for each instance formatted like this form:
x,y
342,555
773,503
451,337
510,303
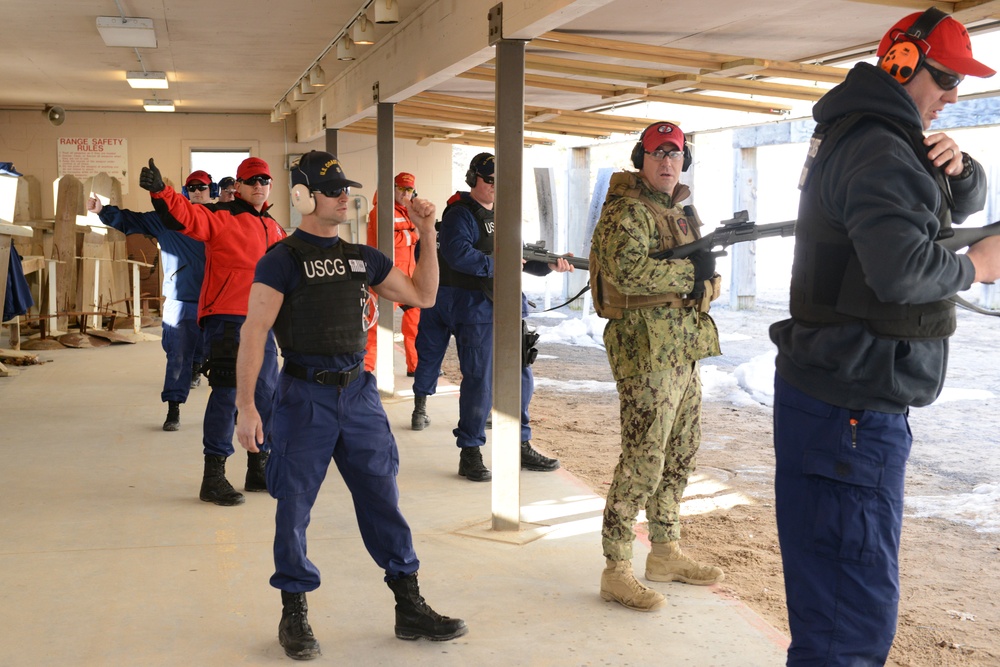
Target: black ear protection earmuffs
x,y
639,152
906,55
472,173
303,199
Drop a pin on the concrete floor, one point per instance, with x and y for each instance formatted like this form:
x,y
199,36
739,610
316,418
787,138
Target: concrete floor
x,y
107,557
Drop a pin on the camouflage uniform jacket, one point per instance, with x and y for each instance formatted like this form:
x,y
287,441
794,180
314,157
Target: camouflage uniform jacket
x,y
647,340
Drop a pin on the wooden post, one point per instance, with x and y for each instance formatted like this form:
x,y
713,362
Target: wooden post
x,y
743,282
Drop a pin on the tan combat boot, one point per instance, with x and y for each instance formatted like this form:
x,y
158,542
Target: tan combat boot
x,y
619,584
666,562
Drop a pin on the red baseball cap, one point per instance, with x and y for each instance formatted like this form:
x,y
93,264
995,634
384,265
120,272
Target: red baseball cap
x,y
948,43
199,177
658,134
405,180
252,166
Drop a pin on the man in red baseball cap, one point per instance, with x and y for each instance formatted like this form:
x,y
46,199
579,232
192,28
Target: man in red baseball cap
x,y
658,331
871,314
405,237
198,187
236,234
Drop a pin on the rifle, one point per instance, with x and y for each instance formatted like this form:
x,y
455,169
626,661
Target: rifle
x,y
536,252
960,238
736,230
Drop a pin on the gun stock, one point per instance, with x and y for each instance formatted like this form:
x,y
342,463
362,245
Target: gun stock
x,y
962,238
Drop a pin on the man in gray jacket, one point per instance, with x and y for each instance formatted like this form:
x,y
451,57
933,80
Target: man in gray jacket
x,y
868,333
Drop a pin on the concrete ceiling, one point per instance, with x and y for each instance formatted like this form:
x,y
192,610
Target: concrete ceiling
x,y
436,64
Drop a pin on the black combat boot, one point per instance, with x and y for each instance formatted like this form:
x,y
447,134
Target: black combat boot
x,y
419,419
294,633
215,488
414,619
256,479
471,466
531,459
173,421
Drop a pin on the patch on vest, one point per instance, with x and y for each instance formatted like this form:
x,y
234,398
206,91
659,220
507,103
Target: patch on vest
x,y
357,265
682,224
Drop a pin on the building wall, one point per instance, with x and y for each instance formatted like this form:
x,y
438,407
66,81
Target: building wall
x,y
29,141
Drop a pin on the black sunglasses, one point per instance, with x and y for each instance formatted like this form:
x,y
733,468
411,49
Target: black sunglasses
x,y
197,186
944,80
335,193
257,180
488,180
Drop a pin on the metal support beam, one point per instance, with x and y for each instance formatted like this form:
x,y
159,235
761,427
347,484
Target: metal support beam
x,y
507,284
386,155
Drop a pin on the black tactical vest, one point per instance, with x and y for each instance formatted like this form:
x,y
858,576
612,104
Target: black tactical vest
x,y
325,313
449,277
828,285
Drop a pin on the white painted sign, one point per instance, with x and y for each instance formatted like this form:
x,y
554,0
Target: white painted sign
x,y
84,157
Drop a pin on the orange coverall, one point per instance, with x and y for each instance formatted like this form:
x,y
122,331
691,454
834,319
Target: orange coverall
x,y
405,238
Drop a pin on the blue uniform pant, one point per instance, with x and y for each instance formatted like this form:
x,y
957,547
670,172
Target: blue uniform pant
x,y
182,342
220,412
475,400
313,424
433,335
839,502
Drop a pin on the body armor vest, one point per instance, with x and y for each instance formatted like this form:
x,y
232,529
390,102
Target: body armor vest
x,y
324,314
673,230
449,277
828,285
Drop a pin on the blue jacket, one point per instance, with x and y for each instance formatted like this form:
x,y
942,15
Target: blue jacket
x,y
183,258
457,240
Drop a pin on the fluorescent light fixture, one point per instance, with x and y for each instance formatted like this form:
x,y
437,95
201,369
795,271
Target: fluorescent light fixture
x,y
132,32
363,31
345,49
147,79
158,105
317,77
386,11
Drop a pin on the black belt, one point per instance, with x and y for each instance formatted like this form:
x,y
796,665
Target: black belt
x,y
320,376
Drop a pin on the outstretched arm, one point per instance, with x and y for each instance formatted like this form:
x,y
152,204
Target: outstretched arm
x,y
421,289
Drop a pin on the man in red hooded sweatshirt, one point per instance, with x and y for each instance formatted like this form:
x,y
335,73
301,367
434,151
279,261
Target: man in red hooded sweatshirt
x,y
236,234
405,239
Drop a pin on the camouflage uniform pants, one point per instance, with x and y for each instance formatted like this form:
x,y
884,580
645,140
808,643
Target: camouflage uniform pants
x,y
661,431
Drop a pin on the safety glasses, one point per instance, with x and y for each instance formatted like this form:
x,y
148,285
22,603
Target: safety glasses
x,y
488,180
335,193
196,186
944,80
258,180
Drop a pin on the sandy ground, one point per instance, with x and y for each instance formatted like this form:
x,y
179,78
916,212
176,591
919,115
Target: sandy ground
x,y
949,609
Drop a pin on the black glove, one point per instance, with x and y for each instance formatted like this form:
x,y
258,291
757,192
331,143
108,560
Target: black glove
x,y
704,269
150,179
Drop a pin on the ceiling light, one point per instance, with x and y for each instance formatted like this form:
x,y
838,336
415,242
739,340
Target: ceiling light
x,y
317,77
146,79
297,95
345,49
132,32
363,31
305,88
284,108
386,11
158,105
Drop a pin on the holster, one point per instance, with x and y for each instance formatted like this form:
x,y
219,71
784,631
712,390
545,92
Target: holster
x,y
528,350
220,368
